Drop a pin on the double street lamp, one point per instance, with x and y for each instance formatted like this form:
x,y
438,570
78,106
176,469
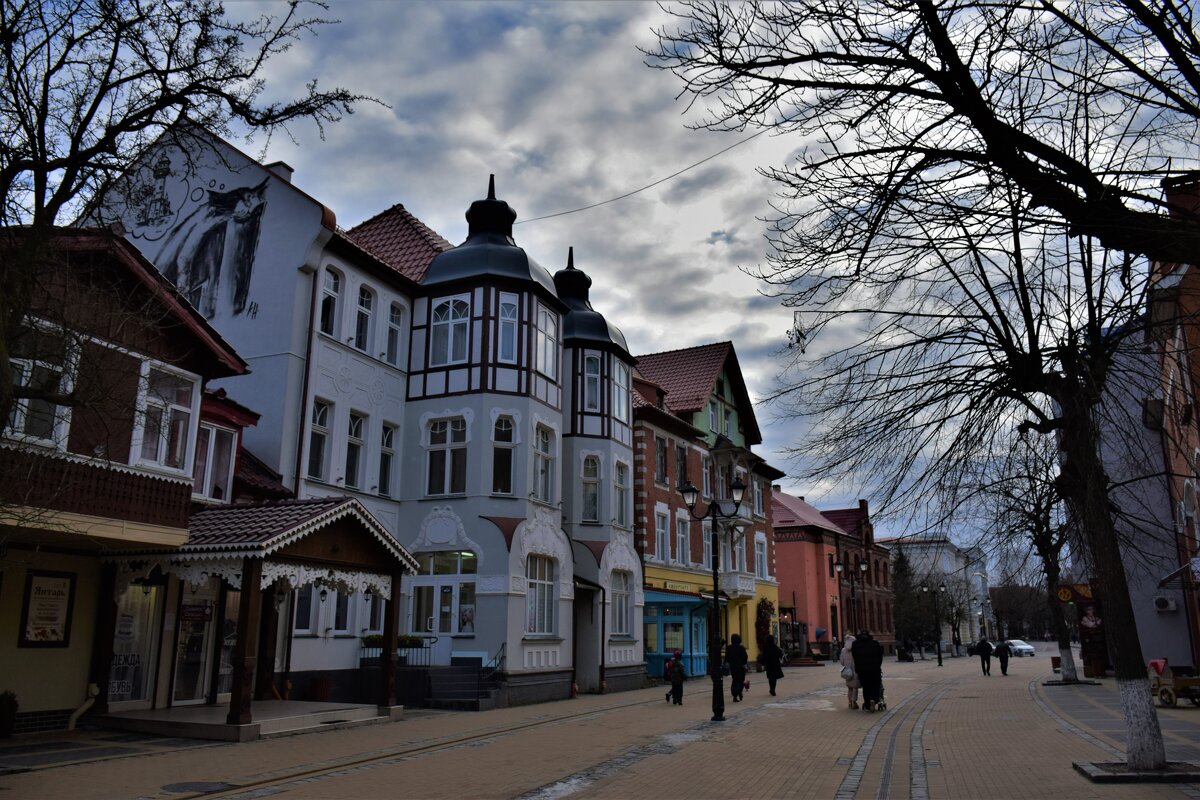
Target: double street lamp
x,y
715,512
856,622
937,622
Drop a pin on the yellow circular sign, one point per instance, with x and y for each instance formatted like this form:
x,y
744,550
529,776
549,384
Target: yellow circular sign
x,y
1064,594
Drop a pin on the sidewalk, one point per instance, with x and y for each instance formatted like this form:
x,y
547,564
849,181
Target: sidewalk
x,y
949,733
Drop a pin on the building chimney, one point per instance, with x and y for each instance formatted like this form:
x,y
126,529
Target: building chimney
x,y
282,170
775,487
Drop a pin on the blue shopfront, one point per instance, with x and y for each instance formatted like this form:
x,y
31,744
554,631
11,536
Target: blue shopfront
x,y
676,621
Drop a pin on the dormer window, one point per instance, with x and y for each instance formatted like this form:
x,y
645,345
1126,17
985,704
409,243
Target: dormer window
x,y
448,337
591,383
362,318
330,293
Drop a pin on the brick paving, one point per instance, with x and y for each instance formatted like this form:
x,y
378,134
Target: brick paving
x,y
948,733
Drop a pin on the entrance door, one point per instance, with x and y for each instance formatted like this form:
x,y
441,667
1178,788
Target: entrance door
x,y
435,612
194,648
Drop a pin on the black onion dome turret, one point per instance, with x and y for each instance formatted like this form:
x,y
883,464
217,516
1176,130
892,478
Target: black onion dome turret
x,y
489,250
583,325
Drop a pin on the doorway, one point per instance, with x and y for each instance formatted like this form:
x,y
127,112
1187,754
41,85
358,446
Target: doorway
x,y
194,646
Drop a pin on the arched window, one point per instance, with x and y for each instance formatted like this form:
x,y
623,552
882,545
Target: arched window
x,y
395,333
507,347
331,292
362,318
448,343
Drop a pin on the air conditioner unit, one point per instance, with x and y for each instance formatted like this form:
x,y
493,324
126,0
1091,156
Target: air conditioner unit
x,y
1165,604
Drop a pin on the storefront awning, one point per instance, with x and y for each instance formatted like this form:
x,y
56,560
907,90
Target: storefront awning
x,y
664,597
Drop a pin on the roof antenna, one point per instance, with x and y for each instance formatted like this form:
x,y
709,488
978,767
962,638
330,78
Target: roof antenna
x,y
491,187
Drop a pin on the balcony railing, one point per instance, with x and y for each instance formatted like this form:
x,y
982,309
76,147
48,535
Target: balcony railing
x,y
737,584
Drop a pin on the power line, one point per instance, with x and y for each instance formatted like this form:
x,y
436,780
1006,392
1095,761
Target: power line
x,y
647,186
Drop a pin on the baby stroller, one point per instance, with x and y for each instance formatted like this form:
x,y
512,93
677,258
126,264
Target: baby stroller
x,y
872,704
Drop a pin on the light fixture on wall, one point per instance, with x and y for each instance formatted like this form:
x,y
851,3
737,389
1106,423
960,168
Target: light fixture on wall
x,y
324,594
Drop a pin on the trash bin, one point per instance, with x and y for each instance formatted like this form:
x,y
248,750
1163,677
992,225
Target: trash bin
x,y
1056,663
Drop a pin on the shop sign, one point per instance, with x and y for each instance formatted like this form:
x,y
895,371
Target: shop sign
x,y
677,586
46,610
195,612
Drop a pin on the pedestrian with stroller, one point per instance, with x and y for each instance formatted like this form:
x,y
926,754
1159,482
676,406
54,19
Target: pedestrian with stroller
x,y
868,664
737,658
848,673
678,675
771,658
1002,651
984,649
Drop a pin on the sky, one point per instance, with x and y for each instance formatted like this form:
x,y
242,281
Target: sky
x,y
556,100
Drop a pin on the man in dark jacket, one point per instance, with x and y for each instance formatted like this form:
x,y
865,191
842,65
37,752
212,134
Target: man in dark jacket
x,y
868,663
1002,652
737,658
771,658
984,649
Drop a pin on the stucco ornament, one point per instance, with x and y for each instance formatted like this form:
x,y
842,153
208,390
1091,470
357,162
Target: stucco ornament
x,y
344,380
442,529
620,555
542,535
295,576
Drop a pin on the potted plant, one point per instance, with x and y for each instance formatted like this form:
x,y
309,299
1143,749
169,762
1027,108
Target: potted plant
x,y
8,713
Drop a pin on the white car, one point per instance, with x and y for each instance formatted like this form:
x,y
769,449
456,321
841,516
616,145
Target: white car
x,y
1021,648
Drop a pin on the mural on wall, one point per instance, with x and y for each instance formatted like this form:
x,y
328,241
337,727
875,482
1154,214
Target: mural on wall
x,y
202,233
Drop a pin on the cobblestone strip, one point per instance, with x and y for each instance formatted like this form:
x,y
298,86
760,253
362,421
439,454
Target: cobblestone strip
x,y
885,779
849,786
918,773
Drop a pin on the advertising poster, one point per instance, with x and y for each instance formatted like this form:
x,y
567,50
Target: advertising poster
x,y
46,610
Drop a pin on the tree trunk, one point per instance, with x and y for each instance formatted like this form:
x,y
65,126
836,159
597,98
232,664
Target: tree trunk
x,y
1061,633
1085,488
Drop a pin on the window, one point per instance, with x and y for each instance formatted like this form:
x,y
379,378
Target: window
x,y
728,427
448,343
591,489
621,494
362,319
662,542
329,302
502,456
354,450
539,595
758,498
831,569
376,606
591,383
395,332
681,471
660,460
683,535
546,350
318,439
543,465
212,476
706,537
39,362
712,415
621,392
760,558
387,453
621,582
447,456
166,419
304,609
341,612
740,554
508,329
706,470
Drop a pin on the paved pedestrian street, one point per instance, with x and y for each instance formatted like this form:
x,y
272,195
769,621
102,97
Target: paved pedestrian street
x,y
949,732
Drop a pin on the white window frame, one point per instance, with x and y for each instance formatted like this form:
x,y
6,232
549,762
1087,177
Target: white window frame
x,y
727,422
374,612
508,449
540,595
760,556
546,343
506,339
661,446
331,297
739,553
450,447
706,469
318,428
543,463
363,312
305,626
143,405
759,507
713,412
456,327
662,535
13,427
591,383
621,512
683,537
387,459
621,397
622,586
335,600
706,536
208,479
590,478
356,448
395,335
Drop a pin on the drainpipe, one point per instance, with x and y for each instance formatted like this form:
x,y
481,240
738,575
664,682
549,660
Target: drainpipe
x,y
93,691
308,348
604,636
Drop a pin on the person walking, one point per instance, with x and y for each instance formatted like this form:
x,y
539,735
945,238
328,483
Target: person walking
x,y
678,676
851,678
771,658
984,648
737,658
868,663
1002,651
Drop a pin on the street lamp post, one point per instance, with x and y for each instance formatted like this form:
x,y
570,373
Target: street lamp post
x,y
937,623
863,566
715,513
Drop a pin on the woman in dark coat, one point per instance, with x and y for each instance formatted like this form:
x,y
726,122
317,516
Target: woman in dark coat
x,y
736,658
868,663
771,658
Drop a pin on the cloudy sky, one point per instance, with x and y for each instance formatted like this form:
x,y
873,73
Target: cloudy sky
x,y
556,101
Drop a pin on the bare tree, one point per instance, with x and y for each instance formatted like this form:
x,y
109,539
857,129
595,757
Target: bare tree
x,y
89,86
963,230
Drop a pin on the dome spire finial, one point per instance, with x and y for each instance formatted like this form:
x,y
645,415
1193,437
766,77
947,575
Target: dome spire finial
x,y
570,258
491,187
491,216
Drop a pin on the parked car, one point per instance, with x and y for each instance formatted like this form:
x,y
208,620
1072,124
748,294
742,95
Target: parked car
x,y
1021,648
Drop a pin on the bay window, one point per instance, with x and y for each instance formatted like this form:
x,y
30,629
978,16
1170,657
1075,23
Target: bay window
x,y
507,343
591,383
591,489
448,334
546,343
502,456
543,464
212,476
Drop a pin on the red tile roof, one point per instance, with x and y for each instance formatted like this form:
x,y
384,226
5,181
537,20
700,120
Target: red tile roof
x,y
688,375
848,519
255,477
400,240
788,510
